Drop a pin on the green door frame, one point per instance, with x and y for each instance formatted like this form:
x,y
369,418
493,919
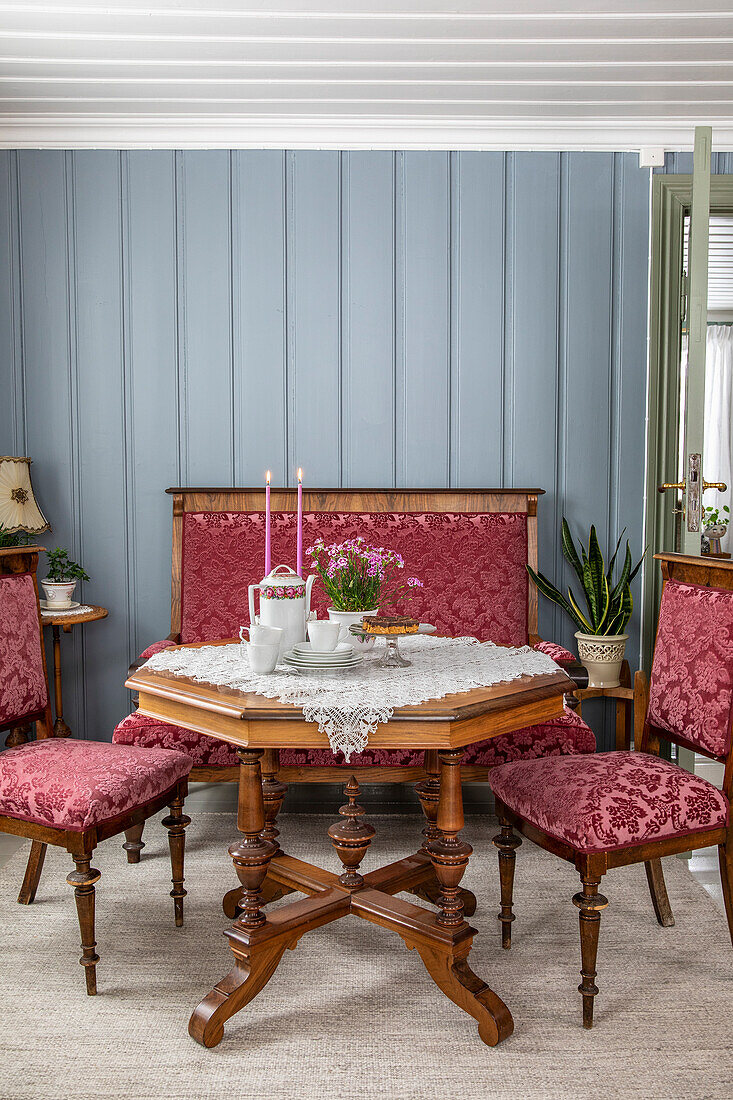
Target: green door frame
x,y
671,200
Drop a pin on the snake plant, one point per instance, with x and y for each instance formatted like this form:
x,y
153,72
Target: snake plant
x,y
609,604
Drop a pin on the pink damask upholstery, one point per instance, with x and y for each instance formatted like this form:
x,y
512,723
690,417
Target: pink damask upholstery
x,y
559,654
77,784
22,680
567,734
472,566
691,688
156,647
610,800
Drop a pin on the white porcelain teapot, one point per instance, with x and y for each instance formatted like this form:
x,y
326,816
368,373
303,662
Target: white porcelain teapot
x,y
285,602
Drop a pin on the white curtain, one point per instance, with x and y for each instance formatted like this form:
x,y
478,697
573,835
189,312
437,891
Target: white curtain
x,y
718,457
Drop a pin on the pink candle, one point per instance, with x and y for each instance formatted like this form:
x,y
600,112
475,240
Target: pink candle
x,y
299,560
268,556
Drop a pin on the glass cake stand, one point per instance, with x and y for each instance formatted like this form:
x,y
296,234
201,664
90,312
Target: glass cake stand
x,y
392,657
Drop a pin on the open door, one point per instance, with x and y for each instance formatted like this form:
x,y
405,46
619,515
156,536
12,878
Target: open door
x,y
691,482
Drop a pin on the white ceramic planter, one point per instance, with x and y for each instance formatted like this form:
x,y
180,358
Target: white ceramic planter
x,y
347,619
59,594
603,656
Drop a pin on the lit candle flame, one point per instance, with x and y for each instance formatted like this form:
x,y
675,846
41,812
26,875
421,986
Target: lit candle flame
x,y
268,477
300,474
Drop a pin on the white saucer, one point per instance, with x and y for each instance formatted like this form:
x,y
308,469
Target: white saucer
x,y
46,606
427,628
305,649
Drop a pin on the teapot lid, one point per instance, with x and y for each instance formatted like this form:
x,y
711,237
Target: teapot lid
x,y
282,575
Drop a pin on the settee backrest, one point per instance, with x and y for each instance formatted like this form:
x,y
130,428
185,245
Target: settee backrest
x,y
468,547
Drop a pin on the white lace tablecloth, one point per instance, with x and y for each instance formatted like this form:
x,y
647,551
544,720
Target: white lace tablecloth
x,y
349,705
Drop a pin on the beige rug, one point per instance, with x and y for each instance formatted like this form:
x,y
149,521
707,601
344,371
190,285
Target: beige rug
x,y
352,1012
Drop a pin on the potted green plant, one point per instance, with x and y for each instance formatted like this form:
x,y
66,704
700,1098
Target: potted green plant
x,y
359,579
600,635
715,521
61,581
13,538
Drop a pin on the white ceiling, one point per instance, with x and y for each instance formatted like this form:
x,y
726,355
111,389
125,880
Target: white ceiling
x,y
613,74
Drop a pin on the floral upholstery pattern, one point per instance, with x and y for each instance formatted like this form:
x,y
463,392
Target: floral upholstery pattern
x,y
691,689
76,784
472,566
22,679
610,800
566,734
156,647
560,655
138,729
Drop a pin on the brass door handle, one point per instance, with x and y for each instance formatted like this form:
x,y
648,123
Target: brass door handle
x,y
719,485
672,485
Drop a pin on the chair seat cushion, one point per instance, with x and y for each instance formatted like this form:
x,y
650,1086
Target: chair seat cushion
x,y
560,655
566,734
610,800
77,784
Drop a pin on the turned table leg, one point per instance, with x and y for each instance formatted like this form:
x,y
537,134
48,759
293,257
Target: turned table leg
x,y
273,793
447,963
60,729
428,791
256,964
351,837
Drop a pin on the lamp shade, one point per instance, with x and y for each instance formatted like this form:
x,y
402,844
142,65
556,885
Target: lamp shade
x,y
18,508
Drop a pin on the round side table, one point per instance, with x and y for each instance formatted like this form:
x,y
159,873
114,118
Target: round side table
x,y
87,613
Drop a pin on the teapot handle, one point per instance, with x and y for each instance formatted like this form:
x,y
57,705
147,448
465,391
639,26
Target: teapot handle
x,y
251,592
308,590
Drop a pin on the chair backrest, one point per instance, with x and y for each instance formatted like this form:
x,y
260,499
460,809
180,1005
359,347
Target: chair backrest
x,y
469,547
691,684
23,679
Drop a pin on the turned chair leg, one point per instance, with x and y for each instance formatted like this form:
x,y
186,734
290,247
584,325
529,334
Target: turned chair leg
x,y
590,903
176,825
134,843
725,857
658,891
32,875
507,844
83,879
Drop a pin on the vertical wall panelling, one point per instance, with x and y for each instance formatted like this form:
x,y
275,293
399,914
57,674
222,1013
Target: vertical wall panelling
x,y
426,363
314,269
380,318
532,433
258,293
12,406
103,430
207,399
368,311
153,445
477,316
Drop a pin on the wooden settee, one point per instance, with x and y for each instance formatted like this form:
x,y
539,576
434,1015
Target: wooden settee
x,y
469,546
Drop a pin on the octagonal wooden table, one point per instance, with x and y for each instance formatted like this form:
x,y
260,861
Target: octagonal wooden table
x,y
258,727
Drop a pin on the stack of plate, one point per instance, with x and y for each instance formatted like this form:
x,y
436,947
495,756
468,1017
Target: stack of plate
x,y
304,657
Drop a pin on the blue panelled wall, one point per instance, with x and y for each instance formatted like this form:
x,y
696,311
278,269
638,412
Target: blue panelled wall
x,y
382,319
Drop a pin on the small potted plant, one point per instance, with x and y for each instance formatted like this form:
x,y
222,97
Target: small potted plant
x,y
715,521
359,579
601,639
61,581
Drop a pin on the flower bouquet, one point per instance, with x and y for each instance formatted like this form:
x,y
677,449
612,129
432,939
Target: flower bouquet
x,y
359,577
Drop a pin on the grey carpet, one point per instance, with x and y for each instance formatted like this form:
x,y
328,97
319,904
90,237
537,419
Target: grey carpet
x,y
351,1012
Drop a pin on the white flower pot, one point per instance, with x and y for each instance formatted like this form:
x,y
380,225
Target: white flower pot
x,y
59,594
602,655
347,619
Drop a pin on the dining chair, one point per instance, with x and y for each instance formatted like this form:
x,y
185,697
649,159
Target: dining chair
x,y
73,794
613,809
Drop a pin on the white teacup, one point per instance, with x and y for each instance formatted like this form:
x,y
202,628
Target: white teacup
x,y
261,635
324,635
263,656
